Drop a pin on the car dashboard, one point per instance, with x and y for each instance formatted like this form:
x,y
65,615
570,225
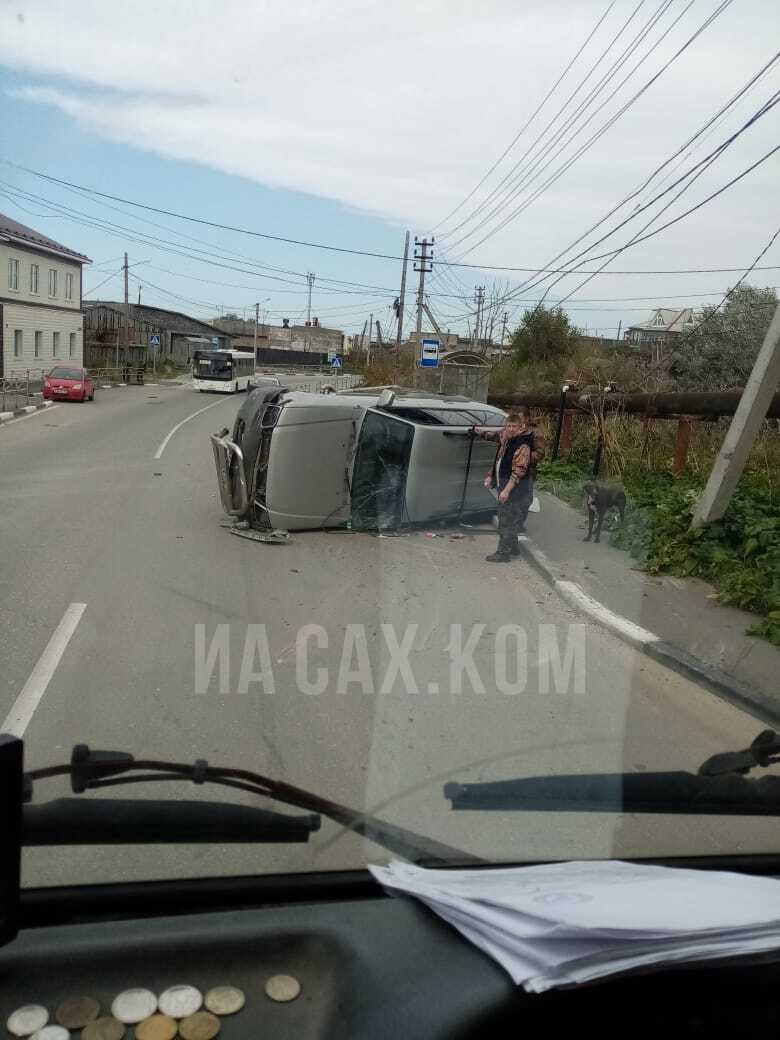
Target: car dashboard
x,y
367,965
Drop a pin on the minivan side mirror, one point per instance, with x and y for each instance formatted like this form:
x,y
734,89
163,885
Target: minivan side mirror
x,y
386,399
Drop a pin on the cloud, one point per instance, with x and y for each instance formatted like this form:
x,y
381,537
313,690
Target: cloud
x,y
398,109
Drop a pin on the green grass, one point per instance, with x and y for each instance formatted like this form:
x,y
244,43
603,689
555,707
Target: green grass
x,y
739,555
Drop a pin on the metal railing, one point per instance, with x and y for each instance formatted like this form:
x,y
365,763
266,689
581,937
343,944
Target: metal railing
x,y
21,390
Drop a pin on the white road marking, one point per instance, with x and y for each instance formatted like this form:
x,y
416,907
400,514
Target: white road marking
x,y
178,426
38,411
28,700
576,597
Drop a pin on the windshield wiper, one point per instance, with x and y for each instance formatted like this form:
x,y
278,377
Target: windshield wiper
x,y
65,821
719,788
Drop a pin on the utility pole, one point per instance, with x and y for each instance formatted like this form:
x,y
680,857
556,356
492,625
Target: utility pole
x,y
139,294
370,329
620,326
126,336
751,412
505,319
310,280
479,299
425,258
257,319
400,332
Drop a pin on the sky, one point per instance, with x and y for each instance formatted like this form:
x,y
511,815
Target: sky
x,y
346,124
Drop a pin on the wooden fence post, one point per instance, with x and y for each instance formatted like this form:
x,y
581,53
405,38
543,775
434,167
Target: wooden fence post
x,y
681,446
568,420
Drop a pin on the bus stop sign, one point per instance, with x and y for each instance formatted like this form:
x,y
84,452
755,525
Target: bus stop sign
x,y
429,353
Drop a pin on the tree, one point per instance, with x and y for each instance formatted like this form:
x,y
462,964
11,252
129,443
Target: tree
x,y
720,353
544,335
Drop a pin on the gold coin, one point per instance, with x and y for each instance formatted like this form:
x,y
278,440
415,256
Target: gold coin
x,y
156,1027
282,988
225,1000
105,1028
200,1026
76,1012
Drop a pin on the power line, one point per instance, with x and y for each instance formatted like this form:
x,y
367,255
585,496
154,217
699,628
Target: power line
x,y
707,126
572,116
358,252
523,129
603,129
701,166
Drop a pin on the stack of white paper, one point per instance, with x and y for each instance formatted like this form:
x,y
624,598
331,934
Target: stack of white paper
x,y
569,923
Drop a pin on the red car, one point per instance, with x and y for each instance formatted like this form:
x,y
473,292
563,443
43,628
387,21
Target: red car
x,y
66,383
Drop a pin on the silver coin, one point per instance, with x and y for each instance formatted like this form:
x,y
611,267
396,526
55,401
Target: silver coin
x,y
27,1020
134,1005
51,1033
282,988
180,1001
225,1000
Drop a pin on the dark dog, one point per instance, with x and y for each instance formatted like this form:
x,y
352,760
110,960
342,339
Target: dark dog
x,y
598,499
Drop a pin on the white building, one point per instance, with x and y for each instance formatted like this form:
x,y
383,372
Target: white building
x,y
40,301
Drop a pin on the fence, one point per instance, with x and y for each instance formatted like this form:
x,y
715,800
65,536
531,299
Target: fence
x,y
20,391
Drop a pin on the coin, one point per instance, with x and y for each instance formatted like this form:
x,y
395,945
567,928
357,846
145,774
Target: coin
x,y
134,1005
180,1001
156,1027
105,1028
27,1020
200,1026
282,988
76,1012
51,1033
225,1000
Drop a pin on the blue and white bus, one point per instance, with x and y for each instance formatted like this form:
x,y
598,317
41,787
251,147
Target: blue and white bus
x,y
227,371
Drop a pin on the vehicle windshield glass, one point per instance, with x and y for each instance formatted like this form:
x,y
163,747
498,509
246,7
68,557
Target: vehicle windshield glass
x,y
213,366
66,373
426,429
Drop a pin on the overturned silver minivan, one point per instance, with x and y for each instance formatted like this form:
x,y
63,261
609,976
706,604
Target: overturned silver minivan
x,y
376,459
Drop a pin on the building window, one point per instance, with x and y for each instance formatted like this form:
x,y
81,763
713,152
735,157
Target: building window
x,y
55,344
18,342
68,286
38,343
34,272
52,282
72,344
13,274
659,319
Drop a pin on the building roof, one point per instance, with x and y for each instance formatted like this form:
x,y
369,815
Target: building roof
x,y
16,232
673,320
158,318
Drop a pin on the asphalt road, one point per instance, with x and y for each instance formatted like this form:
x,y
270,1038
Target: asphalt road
x,y
91,517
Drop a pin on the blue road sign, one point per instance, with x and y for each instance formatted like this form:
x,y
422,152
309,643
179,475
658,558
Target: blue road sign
x,y
336,362
429,354
154,340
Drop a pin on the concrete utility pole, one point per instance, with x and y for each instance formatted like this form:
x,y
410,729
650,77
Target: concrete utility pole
x,y
139,294
126,335
400,332
504,321
751,412
370,330
425,258
479,299
310,280
257,319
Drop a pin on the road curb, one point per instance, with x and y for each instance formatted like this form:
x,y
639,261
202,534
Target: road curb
x,y
8,416
723,685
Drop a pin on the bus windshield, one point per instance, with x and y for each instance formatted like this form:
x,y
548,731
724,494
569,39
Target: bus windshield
x,y
212,365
